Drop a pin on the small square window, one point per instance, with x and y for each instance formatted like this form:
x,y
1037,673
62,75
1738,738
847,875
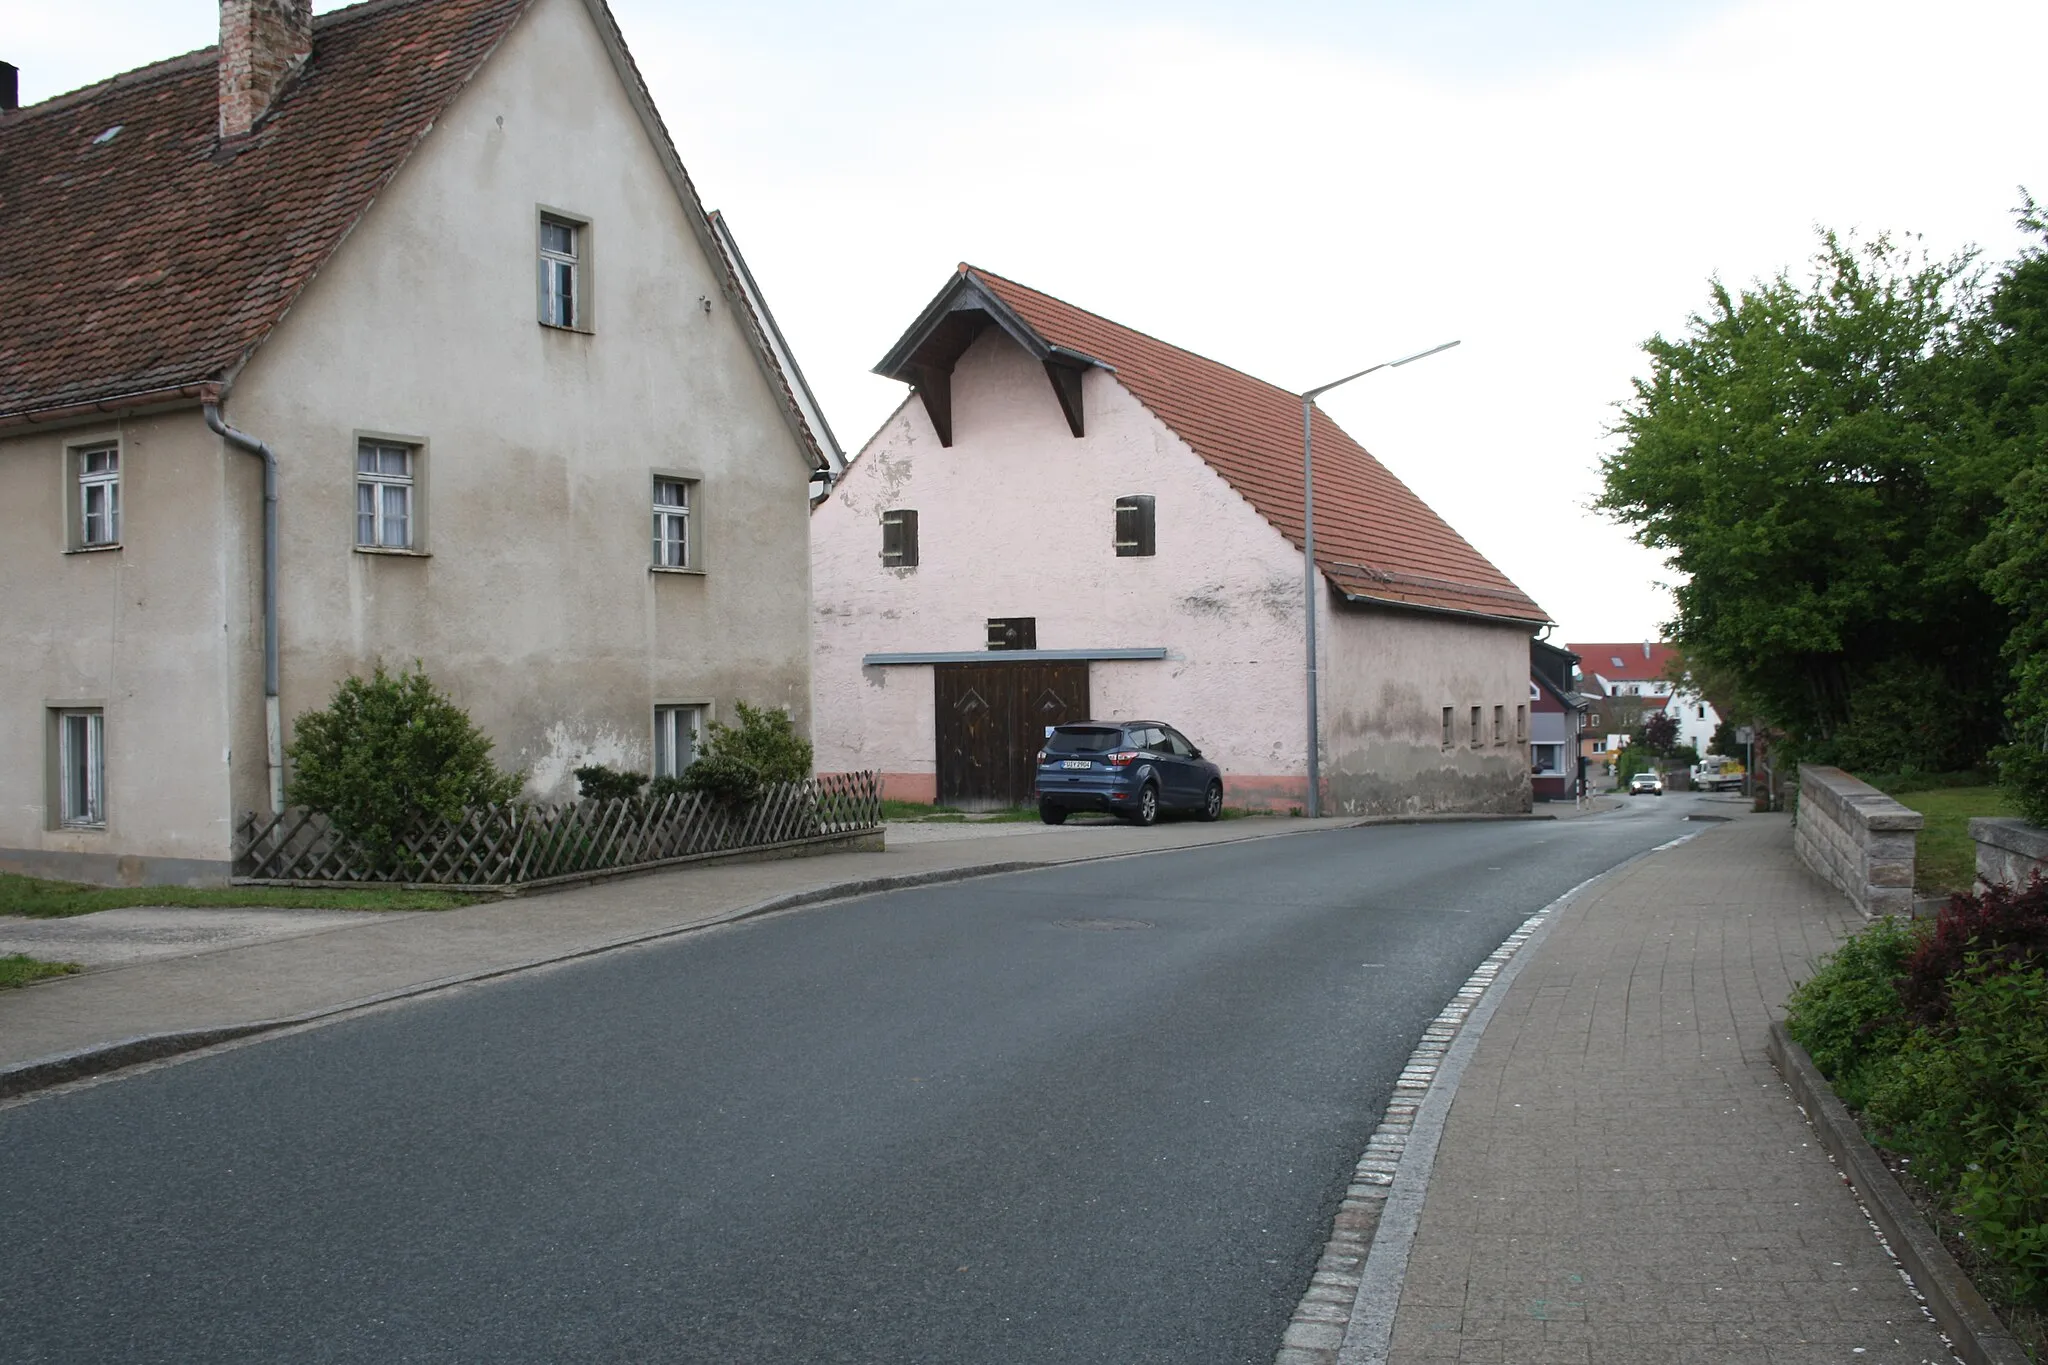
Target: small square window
x,y
1134,526
899,539
561,270
674,541
385,481
1013,632
678,733
81,769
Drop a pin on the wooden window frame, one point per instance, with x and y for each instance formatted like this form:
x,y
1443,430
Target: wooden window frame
x,y
410,480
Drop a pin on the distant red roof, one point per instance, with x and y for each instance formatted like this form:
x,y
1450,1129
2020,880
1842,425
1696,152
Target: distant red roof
x,y
1634,662
1374,538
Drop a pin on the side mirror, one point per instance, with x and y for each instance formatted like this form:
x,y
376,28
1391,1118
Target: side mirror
x,y
1194,753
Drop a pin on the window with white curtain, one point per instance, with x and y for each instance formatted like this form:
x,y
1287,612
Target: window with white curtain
x,y
678,731
99,495
673,501
81,768
385,480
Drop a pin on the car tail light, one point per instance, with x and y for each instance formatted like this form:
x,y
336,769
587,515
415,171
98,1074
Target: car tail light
x,y
1122,758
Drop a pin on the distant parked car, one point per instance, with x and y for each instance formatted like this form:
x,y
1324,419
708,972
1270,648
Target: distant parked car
x,y
1132,769
1646,782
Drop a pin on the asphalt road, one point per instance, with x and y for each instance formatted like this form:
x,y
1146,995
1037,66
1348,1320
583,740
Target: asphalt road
x,y
1096,1114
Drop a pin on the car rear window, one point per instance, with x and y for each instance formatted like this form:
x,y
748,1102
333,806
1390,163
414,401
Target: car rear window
x,y
1083,739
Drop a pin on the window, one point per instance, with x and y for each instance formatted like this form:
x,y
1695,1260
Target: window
x,y
1546,760
1013,632
1134,526
678,730
1450,738
674,548
1701,711
1521,725
899,539
81,768
1176,743
1475,727
99,495
561,268
1599,746
384,484
1500,725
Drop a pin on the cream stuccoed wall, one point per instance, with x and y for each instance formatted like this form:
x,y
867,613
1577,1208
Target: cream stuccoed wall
x,y
143,632
534,604
1017,518
1387,675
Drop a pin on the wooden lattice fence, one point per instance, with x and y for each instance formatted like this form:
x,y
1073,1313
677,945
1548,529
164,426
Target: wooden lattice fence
x,y
511,845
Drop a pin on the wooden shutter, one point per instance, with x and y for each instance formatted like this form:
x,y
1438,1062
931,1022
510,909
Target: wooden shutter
x,y
1134,520
899,539
1013,632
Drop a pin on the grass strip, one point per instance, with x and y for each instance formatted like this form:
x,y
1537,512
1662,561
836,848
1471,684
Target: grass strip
x,y
1945,860
40,899
18,969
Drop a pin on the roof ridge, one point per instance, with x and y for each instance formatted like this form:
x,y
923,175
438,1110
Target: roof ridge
x,y
1126,327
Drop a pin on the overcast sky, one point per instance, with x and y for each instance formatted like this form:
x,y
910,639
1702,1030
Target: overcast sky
x,y
1301,189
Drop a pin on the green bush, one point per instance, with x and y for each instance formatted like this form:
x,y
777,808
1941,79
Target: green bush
x,y
739,761
387,751
599,783
1849,1017
2015,556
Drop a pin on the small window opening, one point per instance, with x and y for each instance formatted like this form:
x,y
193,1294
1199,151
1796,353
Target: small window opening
x,y
1134,526
899,539
1013,632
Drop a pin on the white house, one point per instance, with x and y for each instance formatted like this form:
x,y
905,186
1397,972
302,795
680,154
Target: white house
x,y
394,334
1069,519
1646,669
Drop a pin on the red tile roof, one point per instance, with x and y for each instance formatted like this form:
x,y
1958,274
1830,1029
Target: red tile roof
x,y
1640,661
158,260
1374,538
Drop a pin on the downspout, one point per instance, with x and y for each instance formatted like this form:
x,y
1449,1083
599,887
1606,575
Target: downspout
x,y
273,723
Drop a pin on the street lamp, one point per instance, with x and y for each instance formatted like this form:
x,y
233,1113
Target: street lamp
x,y
1308,555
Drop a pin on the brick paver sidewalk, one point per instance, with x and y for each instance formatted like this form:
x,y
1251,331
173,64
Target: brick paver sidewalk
x,y
1623,1177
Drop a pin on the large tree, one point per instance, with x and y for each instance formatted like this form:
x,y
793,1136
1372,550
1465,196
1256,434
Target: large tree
x,y
1813,458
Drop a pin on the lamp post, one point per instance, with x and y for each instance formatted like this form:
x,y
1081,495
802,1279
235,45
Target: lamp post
x,y
1308,555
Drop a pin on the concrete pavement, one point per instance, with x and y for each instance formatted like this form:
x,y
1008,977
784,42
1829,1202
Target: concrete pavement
x,y
1622,1176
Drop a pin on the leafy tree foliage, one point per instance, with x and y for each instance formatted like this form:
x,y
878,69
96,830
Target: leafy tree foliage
x,y
1658,734
388,750
1811,458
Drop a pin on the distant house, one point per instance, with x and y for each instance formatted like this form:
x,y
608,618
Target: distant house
x,y
1557,715
1070,519
1645,669
426,281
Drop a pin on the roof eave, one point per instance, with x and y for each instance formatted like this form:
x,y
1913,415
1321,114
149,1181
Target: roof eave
x,y
1533,623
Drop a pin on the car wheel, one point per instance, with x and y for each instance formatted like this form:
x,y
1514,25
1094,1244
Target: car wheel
x,y
1147,811
1212,804
1052,815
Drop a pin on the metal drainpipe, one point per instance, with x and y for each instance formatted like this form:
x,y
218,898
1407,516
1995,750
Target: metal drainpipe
x,y
273,723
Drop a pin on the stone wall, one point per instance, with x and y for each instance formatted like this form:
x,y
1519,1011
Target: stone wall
x,y
1858,838
2010,852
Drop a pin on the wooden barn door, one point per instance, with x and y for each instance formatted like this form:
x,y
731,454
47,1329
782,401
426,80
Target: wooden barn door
x,y
991,720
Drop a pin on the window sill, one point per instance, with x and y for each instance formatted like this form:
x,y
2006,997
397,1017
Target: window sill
x,y
393,551
92,549
574,331
81,828
669,568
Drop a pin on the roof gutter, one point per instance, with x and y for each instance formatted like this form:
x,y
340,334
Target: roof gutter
x,y
273,722
1530,623
141,398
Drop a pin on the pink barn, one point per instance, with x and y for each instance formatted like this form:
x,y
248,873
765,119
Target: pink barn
x,y
1068,519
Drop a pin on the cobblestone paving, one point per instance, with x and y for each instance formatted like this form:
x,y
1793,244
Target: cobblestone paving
x,y
1623,1177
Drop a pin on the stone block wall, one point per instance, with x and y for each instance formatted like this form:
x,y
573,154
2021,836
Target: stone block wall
x,y
1857,838
2010,852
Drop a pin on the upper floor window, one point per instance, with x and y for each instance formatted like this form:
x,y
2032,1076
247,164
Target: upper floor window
x,y
1013,632
385,479
899,538
99,495
673,544
1134,522
561,272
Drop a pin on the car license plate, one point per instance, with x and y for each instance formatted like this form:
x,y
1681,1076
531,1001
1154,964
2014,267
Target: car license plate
x,y
1077,763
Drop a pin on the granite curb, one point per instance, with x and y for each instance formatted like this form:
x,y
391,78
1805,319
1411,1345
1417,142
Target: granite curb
x,y
41,1073
1974,1329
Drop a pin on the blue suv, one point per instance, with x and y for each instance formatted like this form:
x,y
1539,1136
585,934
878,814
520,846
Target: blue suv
x,y
1132,769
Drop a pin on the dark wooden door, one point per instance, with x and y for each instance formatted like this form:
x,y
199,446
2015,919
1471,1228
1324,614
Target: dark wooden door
x,y
990,721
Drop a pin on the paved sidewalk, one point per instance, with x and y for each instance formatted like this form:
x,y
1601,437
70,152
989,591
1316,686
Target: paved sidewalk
x,y
1623,1177
334,961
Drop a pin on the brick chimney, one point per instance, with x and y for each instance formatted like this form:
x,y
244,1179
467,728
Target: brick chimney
x,y
262,42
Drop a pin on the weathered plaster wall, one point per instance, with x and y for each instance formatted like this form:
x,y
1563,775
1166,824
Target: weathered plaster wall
x,y
535,606
141,631
1387,676
1017,518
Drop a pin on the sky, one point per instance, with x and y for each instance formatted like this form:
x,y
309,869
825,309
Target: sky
x,y
1302,188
